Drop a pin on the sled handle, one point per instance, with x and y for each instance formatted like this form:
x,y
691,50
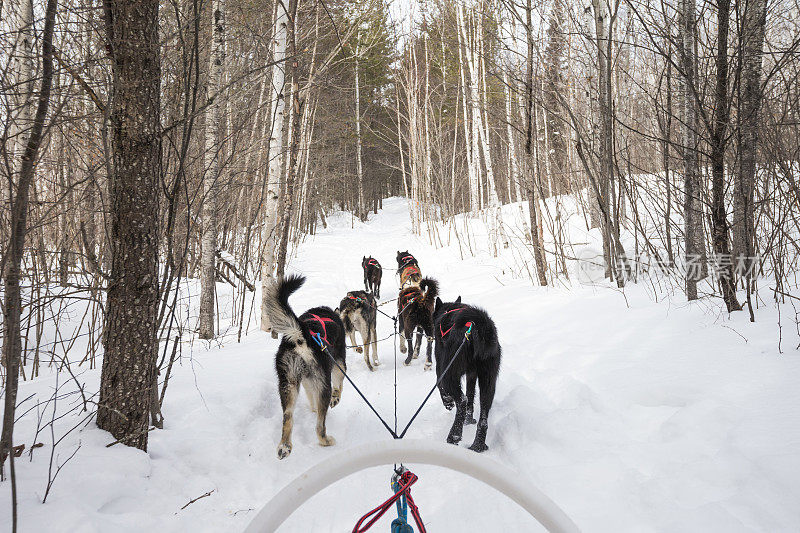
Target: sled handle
x,y
353,460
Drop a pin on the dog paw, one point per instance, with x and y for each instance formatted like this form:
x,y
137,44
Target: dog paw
x,y
359,349
376,363
469,420
284,450
428,365
479,447
327,441
453,439
402,348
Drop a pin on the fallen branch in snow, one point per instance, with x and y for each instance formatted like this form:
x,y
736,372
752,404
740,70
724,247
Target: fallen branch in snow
x,y
198,498
733,330
784,293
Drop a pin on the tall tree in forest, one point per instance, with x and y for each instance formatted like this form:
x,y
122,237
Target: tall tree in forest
x,y
719,144
555,85
362,208
752,45
470,121
530,129
695,251
604,185
214,133
269,234
294,137
129,362
25,170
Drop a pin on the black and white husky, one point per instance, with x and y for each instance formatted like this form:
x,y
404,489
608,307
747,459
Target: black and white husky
x,y
301,361
358,311
479,360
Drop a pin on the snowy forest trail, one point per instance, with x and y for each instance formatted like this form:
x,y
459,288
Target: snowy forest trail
x,y
631,414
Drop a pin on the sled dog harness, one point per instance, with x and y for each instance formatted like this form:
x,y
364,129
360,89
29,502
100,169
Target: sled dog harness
x,y
372,261
407,261
468,324
410,269
408,299
321,320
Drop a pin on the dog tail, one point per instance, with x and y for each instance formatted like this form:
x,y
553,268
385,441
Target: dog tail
x,y
430,290
276,304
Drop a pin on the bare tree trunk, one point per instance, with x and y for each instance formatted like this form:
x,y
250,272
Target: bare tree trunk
x,y
692,206
555,85
129,363
530,128
719,142
743,226
494,213
214,136
12,276
606,141
514,176
362,208
666,142
470,102
269,235
294,142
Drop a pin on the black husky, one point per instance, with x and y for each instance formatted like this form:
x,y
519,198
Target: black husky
x,y
301,361
479,360
358,311
372,276
415,311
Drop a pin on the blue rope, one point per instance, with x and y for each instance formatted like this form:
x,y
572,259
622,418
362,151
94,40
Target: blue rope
x,y
400,524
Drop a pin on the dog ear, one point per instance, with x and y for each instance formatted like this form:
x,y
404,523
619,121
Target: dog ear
x,y
336,310
437,305
458,300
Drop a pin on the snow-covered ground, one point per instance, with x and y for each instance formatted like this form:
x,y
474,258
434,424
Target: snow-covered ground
x,y
633,413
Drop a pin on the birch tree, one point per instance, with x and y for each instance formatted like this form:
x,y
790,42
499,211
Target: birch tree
x,y
362,208
269,235
214,132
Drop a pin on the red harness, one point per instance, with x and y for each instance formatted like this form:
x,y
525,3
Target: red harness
x,y
373,262
468,324
406,259
321,320
412,269
407,299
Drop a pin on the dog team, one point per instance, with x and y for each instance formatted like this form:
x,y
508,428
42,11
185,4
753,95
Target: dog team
x,y
312,350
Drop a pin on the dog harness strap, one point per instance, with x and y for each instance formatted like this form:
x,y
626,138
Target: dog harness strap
x,y
451,327
321,320
410,268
